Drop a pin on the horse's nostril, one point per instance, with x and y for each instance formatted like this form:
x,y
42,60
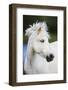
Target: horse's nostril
x,y
51,56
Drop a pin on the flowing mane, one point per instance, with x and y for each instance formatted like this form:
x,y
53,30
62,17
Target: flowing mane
x,y
35,27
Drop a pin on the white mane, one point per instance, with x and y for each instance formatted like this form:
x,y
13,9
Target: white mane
x,y
35,27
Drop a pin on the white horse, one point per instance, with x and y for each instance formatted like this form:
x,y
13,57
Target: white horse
x,y
41,55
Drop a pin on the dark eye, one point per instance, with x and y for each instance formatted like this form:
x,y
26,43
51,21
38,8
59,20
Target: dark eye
x,y
42,41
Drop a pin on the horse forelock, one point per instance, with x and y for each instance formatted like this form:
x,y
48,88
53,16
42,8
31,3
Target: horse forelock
x,y
35,27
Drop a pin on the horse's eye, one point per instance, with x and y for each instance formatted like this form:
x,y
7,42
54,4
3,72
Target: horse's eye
x,y
42,41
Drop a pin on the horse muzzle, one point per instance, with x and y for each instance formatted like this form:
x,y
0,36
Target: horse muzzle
x,y
50,57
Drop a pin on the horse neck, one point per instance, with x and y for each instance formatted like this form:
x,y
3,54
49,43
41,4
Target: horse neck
x,y
29,51
29,47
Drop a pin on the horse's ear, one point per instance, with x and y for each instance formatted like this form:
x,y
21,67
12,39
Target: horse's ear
x,y
39,30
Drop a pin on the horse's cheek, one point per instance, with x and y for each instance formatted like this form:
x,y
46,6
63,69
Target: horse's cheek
x,y
35,47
